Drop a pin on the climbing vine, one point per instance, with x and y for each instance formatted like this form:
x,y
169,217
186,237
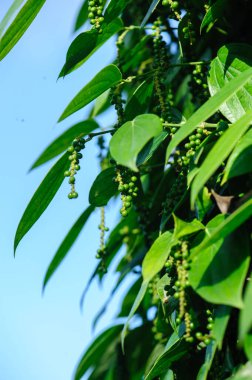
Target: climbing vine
x,y
178,161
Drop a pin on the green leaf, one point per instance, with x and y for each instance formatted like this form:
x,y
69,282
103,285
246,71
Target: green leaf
x,y
131,137
164,281
164,361
248,346
157,255
231,61
245,318
67,244
240,160
42,198
151,9
10,13
86,44
182,228
208,109
228,225
244,373
150,148
221,318
18,27
96,350
101,104
139,101
220,151
134,308
60,144
114,9
82,16
218,273
105,79
103,188
213,14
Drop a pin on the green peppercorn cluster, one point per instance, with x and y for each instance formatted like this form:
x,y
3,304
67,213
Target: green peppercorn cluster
x,y
174,7
175,193
101,252
198,84
74,158
160,65
189,32
205,338
95,9
117,101
128,189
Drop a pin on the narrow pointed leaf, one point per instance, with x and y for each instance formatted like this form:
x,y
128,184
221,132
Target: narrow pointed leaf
x,y
139,101
220,151
10,13
20,24
60,144
239,162
151,9
103,188
95,351
42,198
131,137
67,244
114,9
245,318
213,14
208,109
82,16
105,79
183,228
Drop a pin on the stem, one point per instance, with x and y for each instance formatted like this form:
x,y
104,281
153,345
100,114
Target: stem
x,y
91,135
204,124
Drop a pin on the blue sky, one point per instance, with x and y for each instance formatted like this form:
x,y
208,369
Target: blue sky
x,y
43,337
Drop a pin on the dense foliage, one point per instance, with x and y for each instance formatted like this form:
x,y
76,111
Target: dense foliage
x,y
179,158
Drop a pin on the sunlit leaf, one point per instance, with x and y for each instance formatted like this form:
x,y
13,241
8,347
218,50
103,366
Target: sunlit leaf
x,y
208,109
245,318
231,61
213,14
20,24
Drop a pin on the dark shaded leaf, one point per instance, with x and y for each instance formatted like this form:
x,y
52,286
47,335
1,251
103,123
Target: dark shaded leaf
x,y
103,188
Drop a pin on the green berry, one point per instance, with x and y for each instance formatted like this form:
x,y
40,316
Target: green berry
x,y
71,180
174,130
131,184
125,186
70,195
120,188
209,326
129,198
134,178
198,335
77,167
207,341
67,173
175,5
74,194
124,212
70,149
189,339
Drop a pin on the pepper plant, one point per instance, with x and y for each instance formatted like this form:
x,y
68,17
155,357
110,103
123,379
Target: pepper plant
x,y
178,159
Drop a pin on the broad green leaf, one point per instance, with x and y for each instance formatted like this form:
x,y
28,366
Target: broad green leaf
x,y
82,16
245,318
228,225
131,137
139,101
213,14
162,364
157,255
62,142
114,9
218,273
103,188
20,24
182,228
231,61
42,198
67,244
244,373
105,79
220,151
164,281
221,318
86,44
96,350
10,13
208,109
240,160
151,9
248,346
